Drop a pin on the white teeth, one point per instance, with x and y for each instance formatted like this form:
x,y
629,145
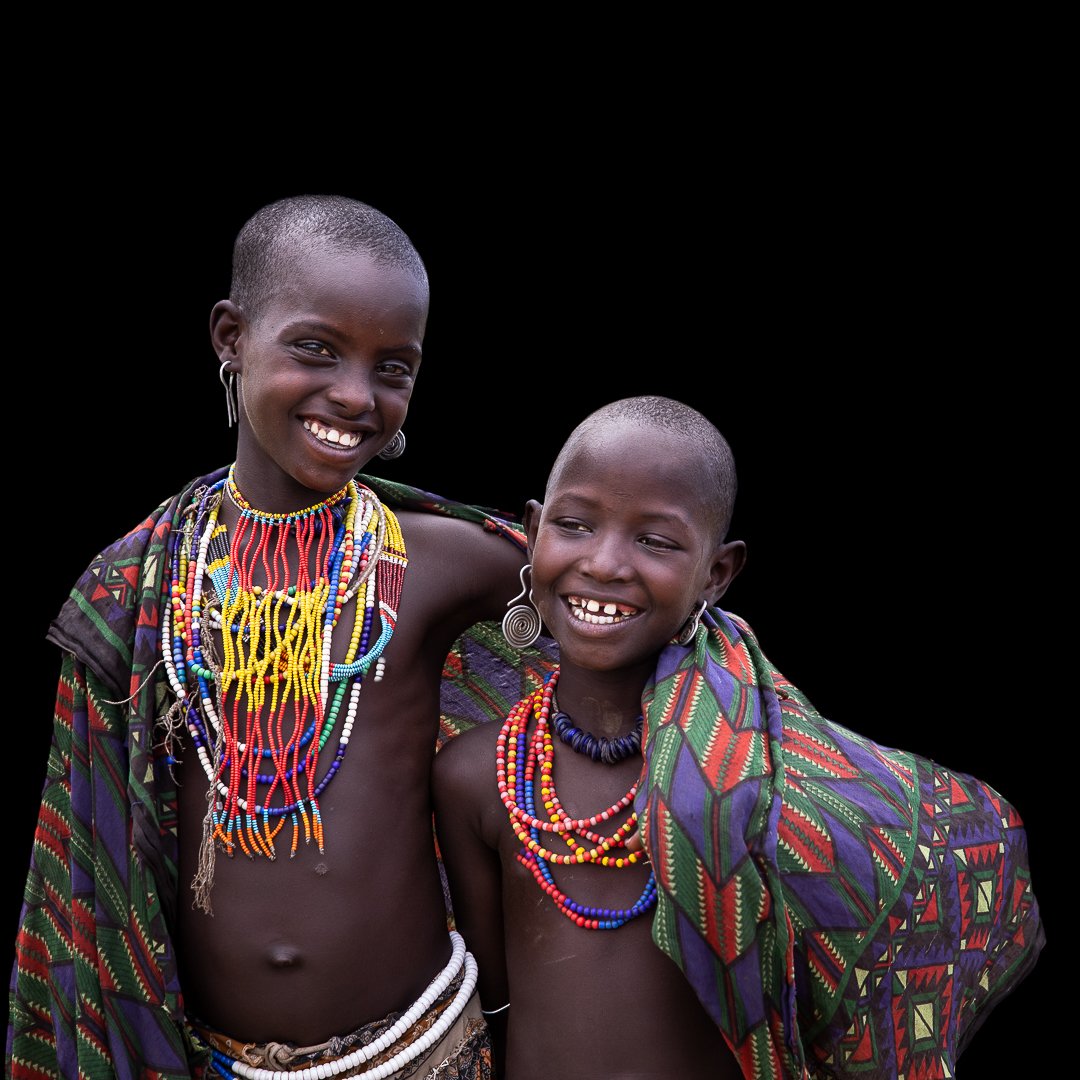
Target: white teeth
x,y
332,435
589,611
589,617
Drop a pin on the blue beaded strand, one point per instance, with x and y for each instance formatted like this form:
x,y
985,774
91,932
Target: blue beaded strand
x,y
607,918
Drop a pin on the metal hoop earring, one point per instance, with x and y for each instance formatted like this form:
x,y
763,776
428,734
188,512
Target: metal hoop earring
x,y
232,401
521,624
689,631
394,448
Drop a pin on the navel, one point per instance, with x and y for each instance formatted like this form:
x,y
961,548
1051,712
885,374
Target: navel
x,y
285,956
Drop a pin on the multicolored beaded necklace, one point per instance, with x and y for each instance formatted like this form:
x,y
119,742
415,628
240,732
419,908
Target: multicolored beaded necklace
x,y
518,761
277,643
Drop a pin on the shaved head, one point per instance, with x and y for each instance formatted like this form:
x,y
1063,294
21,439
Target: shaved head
x,y
707,453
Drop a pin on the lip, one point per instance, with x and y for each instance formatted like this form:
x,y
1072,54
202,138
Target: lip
x,y
335,437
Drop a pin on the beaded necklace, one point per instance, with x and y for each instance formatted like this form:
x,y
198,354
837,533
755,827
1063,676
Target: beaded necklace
x,y
599,748
518,760
276,643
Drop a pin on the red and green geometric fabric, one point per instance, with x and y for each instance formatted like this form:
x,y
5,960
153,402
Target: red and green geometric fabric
x,y
842,909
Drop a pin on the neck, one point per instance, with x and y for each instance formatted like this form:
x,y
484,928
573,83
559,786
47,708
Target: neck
x,y
607,703
269,489
277,516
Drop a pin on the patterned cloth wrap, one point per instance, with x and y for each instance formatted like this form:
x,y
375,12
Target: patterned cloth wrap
x,y
94,991
841,909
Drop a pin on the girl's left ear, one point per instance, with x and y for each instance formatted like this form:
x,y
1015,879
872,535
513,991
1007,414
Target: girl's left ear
x,y
728,560
531,520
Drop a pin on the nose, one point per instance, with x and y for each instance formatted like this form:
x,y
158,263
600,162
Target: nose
x,y
352,389
607,558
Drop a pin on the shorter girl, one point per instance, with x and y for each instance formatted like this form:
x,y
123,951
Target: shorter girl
x,y
793,900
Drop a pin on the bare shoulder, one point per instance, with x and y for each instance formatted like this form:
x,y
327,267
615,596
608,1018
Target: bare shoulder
x,y
465,758
465,788
462,750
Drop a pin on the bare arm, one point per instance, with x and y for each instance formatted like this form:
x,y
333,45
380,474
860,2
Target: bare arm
x,y
462,571
468,815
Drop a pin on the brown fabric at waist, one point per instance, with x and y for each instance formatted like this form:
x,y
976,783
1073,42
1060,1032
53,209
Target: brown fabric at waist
x,y
462,1051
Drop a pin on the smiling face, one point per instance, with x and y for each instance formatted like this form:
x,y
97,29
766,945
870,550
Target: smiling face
x,y
327,369
625,547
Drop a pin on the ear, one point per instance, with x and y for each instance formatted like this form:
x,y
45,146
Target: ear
x,y
728,559
531,520
226,325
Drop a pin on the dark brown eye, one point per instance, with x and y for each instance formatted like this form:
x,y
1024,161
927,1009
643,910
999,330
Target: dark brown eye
x,y
316,348
396,369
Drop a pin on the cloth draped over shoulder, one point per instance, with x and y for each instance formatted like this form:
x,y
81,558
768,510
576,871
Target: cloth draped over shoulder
x,y
841,909
94,990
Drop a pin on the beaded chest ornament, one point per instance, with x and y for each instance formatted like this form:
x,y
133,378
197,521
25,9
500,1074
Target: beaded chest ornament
x,y
276,643
521,763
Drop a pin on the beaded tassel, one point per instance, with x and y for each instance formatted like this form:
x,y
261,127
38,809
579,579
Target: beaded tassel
x,y
522,763
276,643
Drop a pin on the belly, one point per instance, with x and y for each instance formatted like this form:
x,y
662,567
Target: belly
x,y
300,948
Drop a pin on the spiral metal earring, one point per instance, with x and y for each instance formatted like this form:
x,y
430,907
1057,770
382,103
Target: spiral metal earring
x,y
394,448
521,624
689,631
232,403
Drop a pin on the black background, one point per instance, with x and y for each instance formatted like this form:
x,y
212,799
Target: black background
x,y
868,329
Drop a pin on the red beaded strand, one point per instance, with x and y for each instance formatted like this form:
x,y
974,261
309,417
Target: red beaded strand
x,y
540,754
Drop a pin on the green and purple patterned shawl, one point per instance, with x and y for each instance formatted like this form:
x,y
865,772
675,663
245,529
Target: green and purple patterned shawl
x,y
841,909
94,991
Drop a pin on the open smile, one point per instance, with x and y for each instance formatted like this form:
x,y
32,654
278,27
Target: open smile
x,y
599,612
346,439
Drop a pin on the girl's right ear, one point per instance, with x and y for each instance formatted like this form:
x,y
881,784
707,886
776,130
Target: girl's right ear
x,y
531,520
225,326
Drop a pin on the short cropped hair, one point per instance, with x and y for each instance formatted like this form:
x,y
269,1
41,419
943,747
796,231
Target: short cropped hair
x,y
716,461
270,242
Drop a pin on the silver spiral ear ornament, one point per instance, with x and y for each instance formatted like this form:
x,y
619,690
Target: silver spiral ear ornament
x,y
521,624
394,448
